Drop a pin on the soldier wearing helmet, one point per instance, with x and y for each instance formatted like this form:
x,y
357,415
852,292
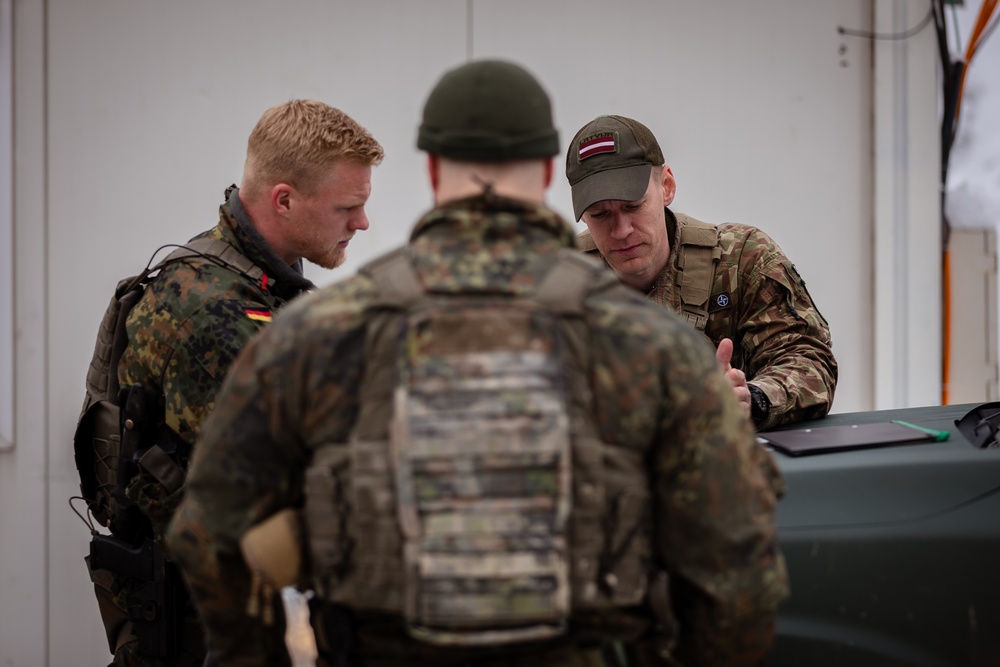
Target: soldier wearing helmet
x,y
483,449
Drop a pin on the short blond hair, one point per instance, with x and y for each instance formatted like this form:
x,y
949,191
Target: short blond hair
x,y
299,141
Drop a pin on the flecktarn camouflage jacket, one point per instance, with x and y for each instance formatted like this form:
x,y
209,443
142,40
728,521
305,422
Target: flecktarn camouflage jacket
x,y
656,388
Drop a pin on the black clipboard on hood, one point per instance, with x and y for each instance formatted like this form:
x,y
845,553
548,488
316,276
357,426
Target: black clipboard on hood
x,y
847,437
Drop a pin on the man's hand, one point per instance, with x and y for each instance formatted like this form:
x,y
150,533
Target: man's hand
x,y
736,377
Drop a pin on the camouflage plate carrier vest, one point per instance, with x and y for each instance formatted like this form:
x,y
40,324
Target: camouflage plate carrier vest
x,y
698,254
98,437
474,498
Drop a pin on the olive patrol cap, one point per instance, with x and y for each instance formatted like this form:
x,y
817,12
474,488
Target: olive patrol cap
x,y
609,158
488,111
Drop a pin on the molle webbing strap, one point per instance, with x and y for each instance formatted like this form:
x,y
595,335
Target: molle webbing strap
x,y
218,250
102,375
698,253
120,341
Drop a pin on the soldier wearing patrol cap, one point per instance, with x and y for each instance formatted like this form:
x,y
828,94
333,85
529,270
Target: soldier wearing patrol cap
x,y
483,449
731,281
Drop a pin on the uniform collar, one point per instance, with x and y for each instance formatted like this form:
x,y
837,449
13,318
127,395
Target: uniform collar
x,y
494,216
671,228
240,230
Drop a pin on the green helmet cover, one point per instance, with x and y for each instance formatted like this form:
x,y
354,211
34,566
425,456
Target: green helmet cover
x,y
488,111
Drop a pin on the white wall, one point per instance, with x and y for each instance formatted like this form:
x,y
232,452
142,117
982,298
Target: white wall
x,y
131,118
24,470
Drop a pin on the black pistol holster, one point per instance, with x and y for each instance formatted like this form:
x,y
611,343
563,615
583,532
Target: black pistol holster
x,y
157,596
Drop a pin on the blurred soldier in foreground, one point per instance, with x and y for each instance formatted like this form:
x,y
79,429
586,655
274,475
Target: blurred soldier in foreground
x,y
731,282
305,183
483,449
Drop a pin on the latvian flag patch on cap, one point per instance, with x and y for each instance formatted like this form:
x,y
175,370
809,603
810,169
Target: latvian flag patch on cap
x,y
605,142
259,315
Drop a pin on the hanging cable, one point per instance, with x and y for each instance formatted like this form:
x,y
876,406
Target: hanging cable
x,y
954,24
906,34
985,13
951,75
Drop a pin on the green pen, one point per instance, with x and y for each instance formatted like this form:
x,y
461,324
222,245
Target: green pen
x,y
939,436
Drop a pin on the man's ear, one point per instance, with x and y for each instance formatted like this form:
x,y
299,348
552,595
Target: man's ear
x,y
549,171
281,199
669,185
433,172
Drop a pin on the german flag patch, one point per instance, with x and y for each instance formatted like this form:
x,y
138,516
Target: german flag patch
x,y
259,315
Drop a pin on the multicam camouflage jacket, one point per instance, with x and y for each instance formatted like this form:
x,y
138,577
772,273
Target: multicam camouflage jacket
x,y
656,388
759,301
187,329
